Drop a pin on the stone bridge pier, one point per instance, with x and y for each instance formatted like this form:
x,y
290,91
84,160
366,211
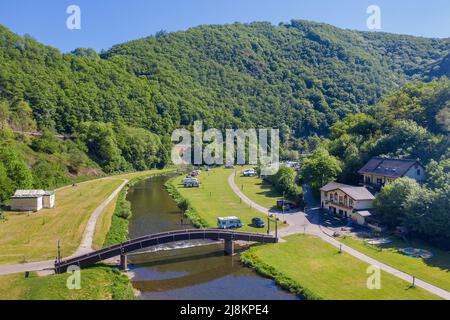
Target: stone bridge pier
x,y
229,247
123,262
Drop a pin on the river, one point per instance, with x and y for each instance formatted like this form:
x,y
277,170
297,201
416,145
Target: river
x,y
186,272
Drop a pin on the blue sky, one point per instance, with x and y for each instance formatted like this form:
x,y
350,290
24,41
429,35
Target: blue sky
x,y
108,22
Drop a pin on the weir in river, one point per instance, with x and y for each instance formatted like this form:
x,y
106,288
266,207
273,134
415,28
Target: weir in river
x,y
182,270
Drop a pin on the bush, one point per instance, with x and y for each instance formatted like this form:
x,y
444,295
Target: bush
x,y
181,202
284,181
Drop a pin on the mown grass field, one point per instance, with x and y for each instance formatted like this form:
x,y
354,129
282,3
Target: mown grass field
x,y
435,270
25,238
258,191
318,267
215,198
99,283
33,237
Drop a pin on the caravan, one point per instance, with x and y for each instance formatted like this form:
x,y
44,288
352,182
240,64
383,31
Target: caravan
x,y
229,223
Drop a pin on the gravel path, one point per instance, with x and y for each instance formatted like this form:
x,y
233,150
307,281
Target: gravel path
x,y
85,246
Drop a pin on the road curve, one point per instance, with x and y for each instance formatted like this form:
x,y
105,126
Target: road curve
x,y
85,246
297,225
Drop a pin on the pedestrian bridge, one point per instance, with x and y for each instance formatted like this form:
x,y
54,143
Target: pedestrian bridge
x,y
130,246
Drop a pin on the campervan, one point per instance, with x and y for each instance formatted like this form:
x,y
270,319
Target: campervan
x,y
229,223
249,173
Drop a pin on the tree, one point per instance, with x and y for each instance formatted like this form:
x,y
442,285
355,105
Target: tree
x,y
320,168
427,212
22,116
438,174
102,145
4,114
6,188
358,124
17,174
390,202
408,140
443,119
184,205
47,143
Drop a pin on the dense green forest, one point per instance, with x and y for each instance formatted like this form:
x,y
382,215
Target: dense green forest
x,y
120,106
412,123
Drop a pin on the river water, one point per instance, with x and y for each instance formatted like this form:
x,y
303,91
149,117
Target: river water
x,y
199,272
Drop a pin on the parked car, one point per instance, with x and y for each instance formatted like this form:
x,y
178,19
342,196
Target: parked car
x,y
288,205
195,173
229,166
191,183
258,222
229,223
249,173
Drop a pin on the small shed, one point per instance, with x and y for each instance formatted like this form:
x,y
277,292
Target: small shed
x,y
32,200
360,217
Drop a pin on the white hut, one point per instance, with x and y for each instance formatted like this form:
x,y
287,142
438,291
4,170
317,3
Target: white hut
x,y
32,200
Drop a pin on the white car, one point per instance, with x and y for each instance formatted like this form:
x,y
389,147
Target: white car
x,y
191,183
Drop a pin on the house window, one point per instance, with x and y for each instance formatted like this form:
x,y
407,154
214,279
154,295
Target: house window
x,y
379,181
418,172
331,197
350,202
341,199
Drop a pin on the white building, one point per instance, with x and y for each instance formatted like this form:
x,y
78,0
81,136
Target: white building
x,y
379,171
32,200
347,201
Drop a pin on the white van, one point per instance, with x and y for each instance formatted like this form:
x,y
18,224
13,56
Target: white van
x,y
229,223
249,173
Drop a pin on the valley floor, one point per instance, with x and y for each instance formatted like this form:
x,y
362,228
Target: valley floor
x,y
81,220
250,190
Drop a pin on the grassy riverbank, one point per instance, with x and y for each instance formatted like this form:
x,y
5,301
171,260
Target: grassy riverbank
x,y
315,270
33,237
214,199
113,227
434,270
67,221
99,283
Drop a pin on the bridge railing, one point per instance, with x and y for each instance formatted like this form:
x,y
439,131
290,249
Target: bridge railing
x,y
138,243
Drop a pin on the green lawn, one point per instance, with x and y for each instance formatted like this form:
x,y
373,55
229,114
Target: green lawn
x,y
317,266
258,191
215,198
435,271
26,238
99,283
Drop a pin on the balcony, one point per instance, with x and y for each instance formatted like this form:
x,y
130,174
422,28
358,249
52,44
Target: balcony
x,y
339,204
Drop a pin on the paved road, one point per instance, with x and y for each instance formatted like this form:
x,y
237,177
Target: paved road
x,y
302,222
85,247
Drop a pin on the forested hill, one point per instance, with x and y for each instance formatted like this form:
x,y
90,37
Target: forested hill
x,y
122,105
304,74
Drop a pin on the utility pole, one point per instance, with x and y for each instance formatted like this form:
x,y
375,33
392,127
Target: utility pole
x,y
59,254
268,224
276,228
